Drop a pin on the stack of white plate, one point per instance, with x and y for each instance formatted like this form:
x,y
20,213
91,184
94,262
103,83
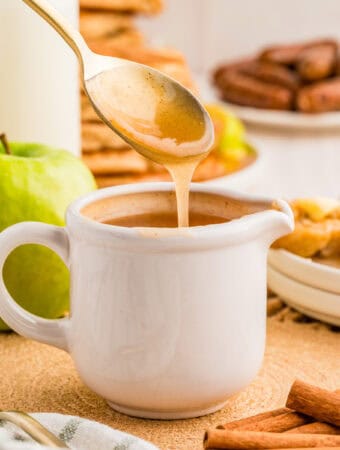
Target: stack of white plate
x,y
308,286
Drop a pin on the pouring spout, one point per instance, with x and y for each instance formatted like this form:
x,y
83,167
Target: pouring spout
x,y
279,222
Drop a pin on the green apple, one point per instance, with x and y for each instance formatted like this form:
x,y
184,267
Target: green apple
x,y
230,142
229,130
37,183
237,152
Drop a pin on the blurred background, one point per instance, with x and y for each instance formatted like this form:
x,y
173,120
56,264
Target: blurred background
x,y
210,31
284,153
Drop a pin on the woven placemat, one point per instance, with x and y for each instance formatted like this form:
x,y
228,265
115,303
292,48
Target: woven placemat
x,y
38,378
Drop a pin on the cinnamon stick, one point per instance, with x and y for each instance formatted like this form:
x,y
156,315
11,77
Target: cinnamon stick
x,y
313,401
243,423
274,305
281,423
277,421
315,428
226,439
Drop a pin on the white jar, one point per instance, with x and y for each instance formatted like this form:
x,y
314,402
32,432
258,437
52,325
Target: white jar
x,y
39,88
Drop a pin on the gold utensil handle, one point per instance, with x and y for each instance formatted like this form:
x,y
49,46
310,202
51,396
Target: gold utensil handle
x,y
72,36
33,428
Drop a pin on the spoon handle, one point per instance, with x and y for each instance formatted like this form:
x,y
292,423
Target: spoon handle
x,y
72,36
33,428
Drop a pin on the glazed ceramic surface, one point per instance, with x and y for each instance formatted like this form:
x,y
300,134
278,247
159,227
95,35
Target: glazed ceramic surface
x,y
316,303
161,327
305,270
285,119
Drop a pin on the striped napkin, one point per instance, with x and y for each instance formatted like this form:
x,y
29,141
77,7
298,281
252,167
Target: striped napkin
x,y
77,433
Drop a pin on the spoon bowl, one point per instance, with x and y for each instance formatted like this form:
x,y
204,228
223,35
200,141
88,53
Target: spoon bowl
x,y
156,115
152,112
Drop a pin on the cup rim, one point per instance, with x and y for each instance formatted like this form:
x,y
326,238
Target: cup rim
x,y
235,229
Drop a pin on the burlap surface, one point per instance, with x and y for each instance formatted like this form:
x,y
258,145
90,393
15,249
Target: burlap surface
x,y
36,377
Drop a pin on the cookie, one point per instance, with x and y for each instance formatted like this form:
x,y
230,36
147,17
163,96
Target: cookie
x,y
95,25
169,61
209,168
110,162
136,6
128,178
98,136
88,114
143,55
124,38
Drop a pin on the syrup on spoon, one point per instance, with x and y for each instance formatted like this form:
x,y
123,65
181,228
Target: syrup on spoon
x,y
157,116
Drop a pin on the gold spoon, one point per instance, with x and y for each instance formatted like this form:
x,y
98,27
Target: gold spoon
x,y
33,428
149,110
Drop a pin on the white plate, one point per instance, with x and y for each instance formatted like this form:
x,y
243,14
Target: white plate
x,y
285,119
305,271
316,303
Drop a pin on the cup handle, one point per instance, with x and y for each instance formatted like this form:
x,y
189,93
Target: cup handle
x,y
52,332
